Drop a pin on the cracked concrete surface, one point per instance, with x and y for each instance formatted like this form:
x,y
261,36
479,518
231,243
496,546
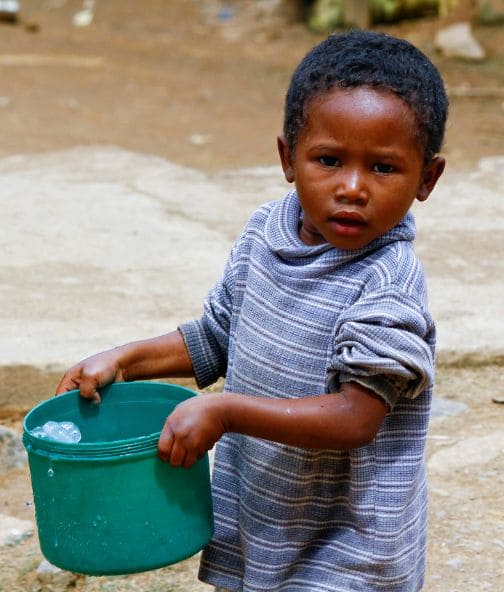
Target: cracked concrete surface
x,y
100,246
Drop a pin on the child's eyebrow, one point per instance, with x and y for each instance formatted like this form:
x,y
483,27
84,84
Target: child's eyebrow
x,y
330,145
387,153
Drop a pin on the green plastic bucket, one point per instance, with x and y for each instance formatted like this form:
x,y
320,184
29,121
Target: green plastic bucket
x,y
108,505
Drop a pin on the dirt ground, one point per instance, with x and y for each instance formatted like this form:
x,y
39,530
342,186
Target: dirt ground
x,y
173,80
170,78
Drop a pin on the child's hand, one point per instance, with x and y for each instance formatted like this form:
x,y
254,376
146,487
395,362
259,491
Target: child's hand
x,y
191,429
92,373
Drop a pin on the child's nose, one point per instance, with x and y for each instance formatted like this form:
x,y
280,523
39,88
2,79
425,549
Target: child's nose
x,y
352,187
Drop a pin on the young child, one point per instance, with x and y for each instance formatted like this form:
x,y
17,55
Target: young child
x,y
320,326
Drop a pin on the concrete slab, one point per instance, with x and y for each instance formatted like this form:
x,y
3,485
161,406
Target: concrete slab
x,y
461,244
100,246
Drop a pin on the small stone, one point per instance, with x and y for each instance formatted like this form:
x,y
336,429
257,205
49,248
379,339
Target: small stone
x,y
9,10
84,17
469,452
446,408
52,577
12,452
439,491
14,531
457,41
455,562
200,139
47,568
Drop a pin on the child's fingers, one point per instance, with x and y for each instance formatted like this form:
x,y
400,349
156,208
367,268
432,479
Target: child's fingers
x,y
88,389
190,458
67,383
173,451
178,455
75,378
165,443
91,374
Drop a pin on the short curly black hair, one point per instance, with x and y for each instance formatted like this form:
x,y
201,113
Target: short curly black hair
x,y
367,58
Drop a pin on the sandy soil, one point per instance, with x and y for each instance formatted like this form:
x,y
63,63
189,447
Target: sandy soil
x,y
466,483
170,79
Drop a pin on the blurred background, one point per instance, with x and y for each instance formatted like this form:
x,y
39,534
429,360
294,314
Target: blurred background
x,y
137,137
202,82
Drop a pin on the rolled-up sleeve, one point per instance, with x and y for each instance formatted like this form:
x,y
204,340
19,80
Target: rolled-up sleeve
x,y
386,343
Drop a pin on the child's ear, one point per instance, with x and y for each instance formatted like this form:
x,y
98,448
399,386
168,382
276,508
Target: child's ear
x,y
285,158
431,175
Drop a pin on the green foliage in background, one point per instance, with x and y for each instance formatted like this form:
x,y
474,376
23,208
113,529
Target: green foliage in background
x,y
326,15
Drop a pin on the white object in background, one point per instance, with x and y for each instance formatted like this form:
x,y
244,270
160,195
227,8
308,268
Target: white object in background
x,y
9,10
84,17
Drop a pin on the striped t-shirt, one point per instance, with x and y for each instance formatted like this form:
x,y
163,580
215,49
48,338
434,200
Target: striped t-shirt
x,y
289,320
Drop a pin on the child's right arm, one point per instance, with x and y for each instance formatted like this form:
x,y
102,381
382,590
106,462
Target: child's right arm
x,y
342,420
160,357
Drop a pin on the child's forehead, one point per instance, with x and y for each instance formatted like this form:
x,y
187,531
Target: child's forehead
x,y
375,112
362,99
360,96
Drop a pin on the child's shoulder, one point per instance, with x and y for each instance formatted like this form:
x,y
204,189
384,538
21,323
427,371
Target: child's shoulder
x,y
262,213
395,266
259,219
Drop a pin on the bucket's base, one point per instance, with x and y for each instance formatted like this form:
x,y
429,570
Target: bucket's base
x,y
149,516
133,568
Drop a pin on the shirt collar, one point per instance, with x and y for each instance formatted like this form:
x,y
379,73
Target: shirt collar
x,y
282,234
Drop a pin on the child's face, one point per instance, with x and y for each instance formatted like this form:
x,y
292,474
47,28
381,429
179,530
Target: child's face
x,y
358,166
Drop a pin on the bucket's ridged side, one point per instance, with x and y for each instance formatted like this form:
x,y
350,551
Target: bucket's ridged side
x,y
118,514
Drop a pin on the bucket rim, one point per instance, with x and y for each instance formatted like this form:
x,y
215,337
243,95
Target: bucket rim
x,y
101,449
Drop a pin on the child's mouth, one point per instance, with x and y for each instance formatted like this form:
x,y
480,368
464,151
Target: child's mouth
x,y
349,224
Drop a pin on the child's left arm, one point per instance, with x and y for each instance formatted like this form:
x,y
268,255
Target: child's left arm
x,y
347,419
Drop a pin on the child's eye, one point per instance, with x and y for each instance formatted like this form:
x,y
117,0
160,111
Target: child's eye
x,y
382,168
330,161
